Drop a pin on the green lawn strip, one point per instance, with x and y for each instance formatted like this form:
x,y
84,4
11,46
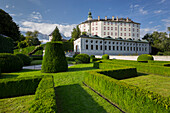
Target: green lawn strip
x,y
16,105
36,62
155,83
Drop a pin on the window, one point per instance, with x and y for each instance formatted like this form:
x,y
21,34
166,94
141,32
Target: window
x,y
105,42
129,34
127,48
120,48
113,42
129,29
105,47
121,28
91,41
109,42
121,24
93,24
91,47
111,33
84,25
115,34
120,34
133,29
92,28
108,28
137,35
133,25
104,28
124,24
111,28
96,28
116,24
124,34
113,47
124,48
133,48
96,23
96,47
96,33
136,48
139,48
115,28
124,29
117,48
92,33
96,41
109,47
108,23
86,46
145,49
137,30
86,41
101,47
130,48
107,33
104,33
101,42
111,23
117,43
133,34
84,30
129,24
104,23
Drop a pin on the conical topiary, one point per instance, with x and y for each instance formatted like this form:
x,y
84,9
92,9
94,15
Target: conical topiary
x,y
54,59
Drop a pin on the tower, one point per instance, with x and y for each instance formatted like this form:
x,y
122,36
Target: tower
x,y
89,16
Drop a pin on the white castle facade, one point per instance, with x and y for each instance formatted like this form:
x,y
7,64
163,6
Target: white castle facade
x,y
116,36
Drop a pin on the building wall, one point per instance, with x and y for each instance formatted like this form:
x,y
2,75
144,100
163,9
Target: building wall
x,y
93,46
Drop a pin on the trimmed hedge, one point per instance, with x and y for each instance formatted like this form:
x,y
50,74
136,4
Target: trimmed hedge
x,y
92,56
69,59
54,59
144,58
45,98
26,59
105,56
84,58
36,57
128,97
10,62
6,44
18,86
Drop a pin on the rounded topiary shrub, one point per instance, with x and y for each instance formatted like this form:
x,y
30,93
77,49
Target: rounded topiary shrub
x,y
10,62
105,56
92,56
54,59
6,44
26,59
75,55
144,58
84,58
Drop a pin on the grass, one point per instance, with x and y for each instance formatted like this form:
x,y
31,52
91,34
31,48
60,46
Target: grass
x,y
73,96
155,83
36,62
16,104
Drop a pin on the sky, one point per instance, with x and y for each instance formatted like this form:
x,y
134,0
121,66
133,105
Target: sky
x,y
45,15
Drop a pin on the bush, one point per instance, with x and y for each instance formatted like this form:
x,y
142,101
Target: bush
x,y
10,62
36,57
105,56
84,58
54,59
75,55
6,45
144,58
129,98
69,59
92,56
18,86
26,59
45,98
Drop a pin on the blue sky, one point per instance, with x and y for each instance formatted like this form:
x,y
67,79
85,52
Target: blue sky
x,y
44,15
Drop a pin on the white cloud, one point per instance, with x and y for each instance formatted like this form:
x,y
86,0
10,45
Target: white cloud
x,y
136,5
12,14
46,28
150,22
141,10
36,16
166,22
162,1
158,11
144,31
7,6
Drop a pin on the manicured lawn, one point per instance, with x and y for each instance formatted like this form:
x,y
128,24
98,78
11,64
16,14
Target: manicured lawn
x,y
155,83
16,104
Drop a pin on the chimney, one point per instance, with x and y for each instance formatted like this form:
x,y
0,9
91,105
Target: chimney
x,y
98,18
127,19
105,17
113,17
117,18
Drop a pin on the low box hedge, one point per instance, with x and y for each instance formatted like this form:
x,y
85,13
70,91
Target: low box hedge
x,y
18,86
45,98
128,97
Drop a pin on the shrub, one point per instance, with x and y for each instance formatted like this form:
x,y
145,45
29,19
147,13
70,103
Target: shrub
x,y
45,98
69,59
54,59
6,45
10,62
145,58
18,86
36,57
92,56
105,56
84,58
75,55
26,59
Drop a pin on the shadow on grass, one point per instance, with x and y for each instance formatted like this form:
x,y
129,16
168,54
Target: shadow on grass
x,y
80,69
28,70
6,75
74,99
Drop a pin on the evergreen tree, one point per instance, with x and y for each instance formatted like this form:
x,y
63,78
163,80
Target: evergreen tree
x,y
76,33
56,35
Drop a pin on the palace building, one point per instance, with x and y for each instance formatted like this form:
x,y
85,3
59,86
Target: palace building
x,y
115,36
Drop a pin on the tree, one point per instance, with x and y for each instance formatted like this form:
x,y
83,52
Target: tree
x,y
169,31
84,33
31,38
56,35
8,27
76,33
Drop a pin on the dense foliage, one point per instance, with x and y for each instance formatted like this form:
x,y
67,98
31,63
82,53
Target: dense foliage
x,y
18,86
84,58
92,56
45,98
10,62
144,58
159,42
8,27
75,34
54,59
105,56
6,45
26,59
56,35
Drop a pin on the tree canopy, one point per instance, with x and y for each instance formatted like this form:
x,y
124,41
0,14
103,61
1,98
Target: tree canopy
x,y
8,27
56,35
76,33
